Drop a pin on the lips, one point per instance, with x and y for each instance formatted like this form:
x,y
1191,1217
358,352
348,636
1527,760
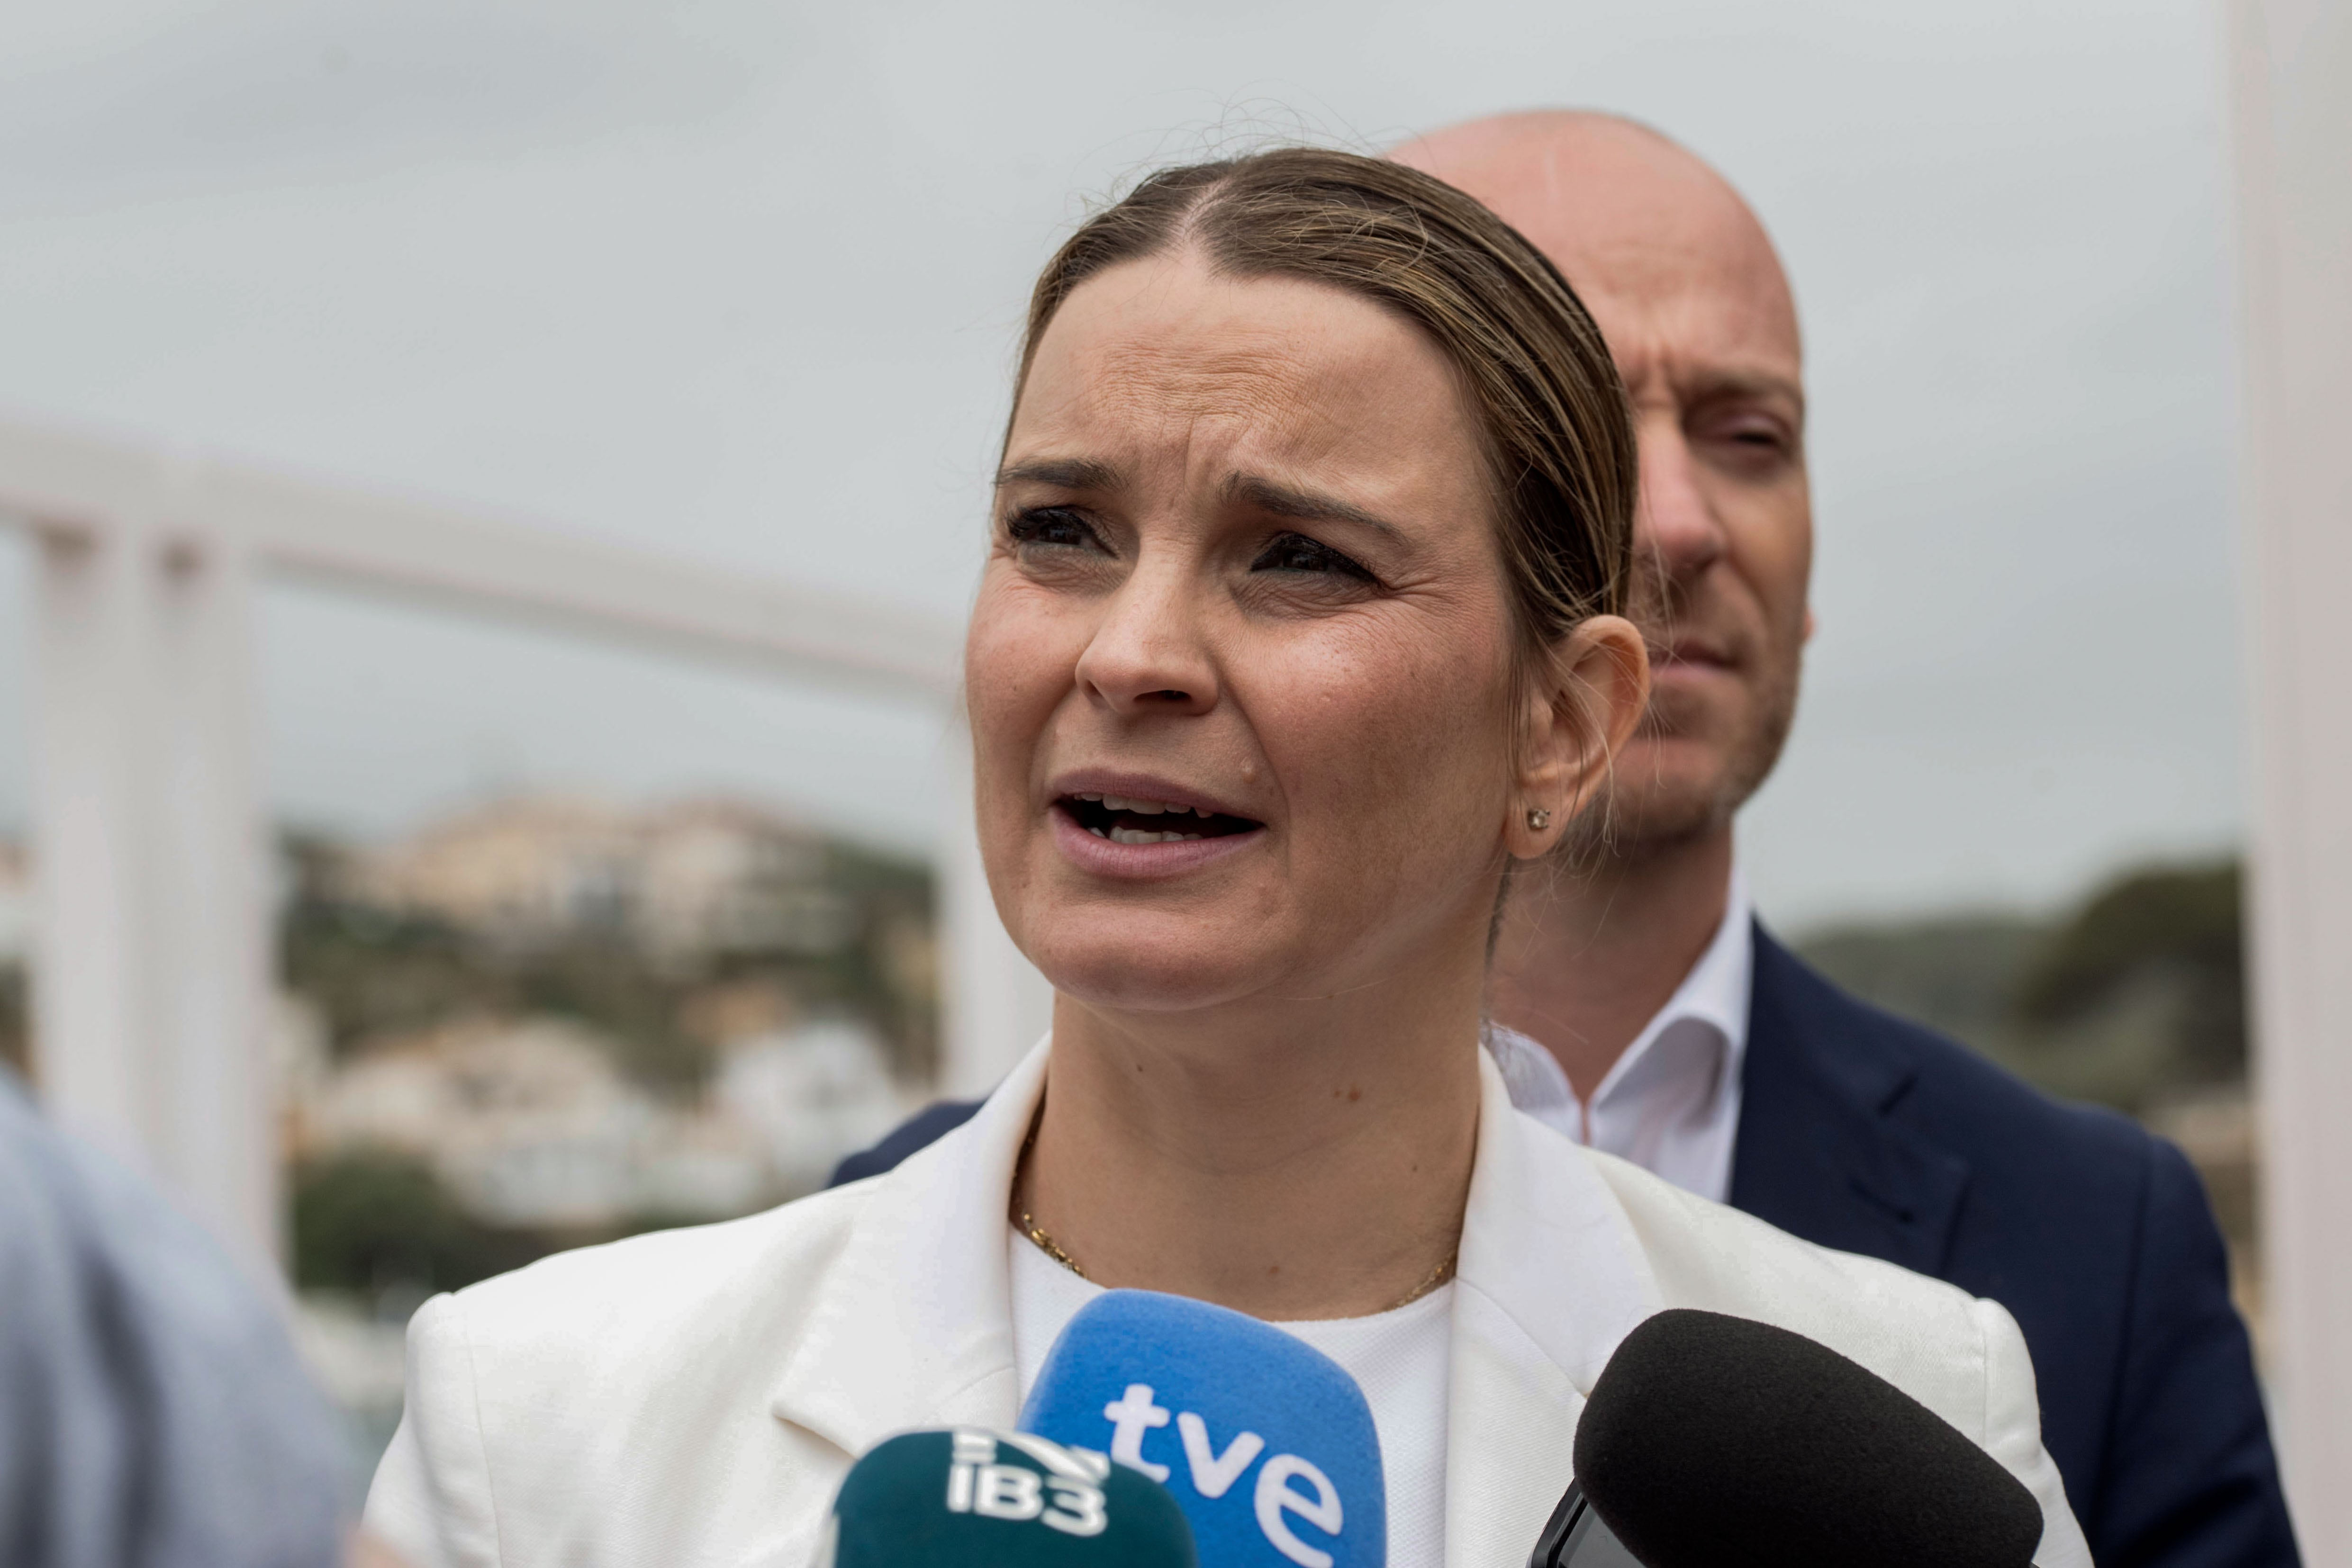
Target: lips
x,y
1130,825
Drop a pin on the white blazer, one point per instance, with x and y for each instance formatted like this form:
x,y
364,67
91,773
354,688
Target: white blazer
x,y
695,1397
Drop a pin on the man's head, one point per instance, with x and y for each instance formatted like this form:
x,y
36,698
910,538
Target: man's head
x,y
1697,314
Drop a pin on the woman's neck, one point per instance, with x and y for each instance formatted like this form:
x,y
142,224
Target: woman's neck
x,y
1292,1159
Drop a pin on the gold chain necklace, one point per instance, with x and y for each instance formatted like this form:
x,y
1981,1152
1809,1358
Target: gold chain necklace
x,y
1026,1223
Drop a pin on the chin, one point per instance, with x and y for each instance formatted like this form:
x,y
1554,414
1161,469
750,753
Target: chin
x,y
1144,962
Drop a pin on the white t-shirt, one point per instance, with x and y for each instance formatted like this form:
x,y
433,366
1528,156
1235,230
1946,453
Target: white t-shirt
x,y
1399,1359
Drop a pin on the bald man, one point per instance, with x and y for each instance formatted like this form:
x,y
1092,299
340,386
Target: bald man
x,y
1675,1031
1639,1007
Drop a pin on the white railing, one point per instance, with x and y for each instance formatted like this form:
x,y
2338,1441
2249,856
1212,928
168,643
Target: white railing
x,y
151,940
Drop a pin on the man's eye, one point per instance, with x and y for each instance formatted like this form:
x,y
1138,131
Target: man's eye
x,y
1295,552
1756,435
1052,526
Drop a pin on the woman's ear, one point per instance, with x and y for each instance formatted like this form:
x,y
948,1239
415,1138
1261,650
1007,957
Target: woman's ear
x,y
1583,705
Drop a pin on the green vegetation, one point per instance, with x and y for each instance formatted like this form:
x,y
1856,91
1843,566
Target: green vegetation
x,y
2136,997
2178,929
377,1224
370,1222
15,1024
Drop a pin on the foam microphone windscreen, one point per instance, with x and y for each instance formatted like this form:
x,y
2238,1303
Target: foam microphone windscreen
x,y
1265,1442
1711,1441
975,1498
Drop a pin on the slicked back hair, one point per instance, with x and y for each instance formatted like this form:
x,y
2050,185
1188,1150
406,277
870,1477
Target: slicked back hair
x,y
1546,398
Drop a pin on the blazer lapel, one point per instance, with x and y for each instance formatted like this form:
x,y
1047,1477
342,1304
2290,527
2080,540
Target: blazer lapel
x,y
1818,1154
1551,1278
914,1326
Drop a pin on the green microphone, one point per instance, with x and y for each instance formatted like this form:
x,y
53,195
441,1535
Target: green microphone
x,y
974,1497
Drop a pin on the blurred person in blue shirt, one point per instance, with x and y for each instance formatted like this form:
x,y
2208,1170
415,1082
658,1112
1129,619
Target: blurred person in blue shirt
x,y
153,1413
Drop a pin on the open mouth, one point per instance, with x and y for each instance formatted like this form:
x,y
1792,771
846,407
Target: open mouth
x,y
1124,820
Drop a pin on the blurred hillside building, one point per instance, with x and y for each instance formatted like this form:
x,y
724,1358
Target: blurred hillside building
x,y
530,1123
579,1016
679,881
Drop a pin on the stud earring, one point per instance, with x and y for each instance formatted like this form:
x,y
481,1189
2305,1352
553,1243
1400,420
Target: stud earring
x,y
1538,819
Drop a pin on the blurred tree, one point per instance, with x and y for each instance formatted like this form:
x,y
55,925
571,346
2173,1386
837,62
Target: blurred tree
x,y
15,1022
2131,999
1954,972
2174,931
371,1220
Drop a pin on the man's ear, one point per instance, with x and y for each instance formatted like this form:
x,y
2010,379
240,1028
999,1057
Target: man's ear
x,y
1584,707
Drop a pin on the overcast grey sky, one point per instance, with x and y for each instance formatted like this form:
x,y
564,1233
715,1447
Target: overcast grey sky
x,y
739,281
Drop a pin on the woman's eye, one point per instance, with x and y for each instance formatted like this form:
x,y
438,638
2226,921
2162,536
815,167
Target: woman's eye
x,y
1295,552
1052,526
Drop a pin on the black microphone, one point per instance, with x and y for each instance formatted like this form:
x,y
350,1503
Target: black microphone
x,y
1712,1440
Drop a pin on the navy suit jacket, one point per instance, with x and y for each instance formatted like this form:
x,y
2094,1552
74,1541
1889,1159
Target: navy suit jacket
x,y
1870,1134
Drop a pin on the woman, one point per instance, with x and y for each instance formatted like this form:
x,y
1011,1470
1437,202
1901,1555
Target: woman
x,y
1299,631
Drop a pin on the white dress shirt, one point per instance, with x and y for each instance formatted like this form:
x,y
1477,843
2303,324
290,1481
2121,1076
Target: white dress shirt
x,y
1671,1104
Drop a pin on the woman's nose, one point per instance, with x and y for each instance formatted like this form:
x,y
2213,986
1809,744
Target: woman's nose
x,y
1147,654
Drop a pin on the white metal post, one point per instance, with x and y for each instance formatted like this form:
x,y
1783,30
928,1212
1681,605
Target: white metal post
x,y
2291,78
217,1096
153,942
94,617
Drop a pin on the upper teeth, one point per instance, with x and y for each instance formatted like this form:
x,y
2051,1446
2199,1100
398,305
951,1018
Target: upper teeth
x,y
1140,807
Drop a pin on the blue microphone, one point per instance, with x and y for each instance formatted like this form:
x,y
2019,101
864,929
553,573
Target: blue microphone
x,y
1265,1442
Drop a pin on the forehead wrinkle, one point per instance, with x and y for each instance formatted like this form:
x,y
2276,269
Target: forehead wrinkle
x,y
1202,381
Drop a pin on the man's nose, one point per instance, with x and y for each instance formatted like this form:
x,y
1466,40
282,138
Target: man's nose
x,y
1676,523
1147,654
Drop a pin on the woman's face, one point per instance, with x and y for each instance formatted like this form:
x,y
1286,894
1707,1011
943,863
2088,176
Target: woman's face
x,y
1239,671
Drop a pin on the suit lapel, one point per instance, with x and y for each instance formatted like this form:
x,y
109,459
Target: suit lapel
x,y
1818,1154
1551,1278
914,1326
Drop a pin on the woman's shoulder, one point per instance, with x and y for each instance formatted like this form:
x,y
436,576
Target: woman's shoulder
x,y
1932,1338
1960,1355
581,1375
597,1301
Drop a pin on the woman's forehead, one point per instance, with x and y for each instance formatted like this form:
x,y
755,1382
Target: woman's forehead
x,y
1166,351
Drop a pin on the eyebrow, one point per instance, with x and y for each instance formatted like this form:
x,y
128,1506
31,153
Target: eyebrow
x,y
1062,474
1304,505
1728,384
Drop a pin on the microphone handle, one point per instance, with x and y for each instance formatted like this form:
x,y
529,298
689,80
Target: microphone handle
x,y
1576,1538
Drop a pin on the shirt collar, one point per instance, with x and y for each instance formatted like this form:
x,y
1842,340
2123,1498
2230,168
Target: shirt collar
x,y
1714,993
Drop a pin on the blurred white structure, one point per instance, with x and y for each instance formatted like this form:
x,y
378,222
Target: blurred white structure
x,y
151,940
2291,81
811,1093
